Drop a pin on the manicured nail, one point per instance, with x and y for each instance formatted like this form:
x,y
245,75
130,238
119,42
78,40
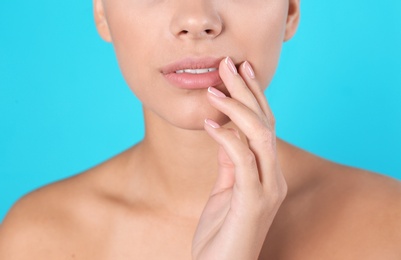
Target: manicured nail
x,y
211,123
231,66
216,92
248,69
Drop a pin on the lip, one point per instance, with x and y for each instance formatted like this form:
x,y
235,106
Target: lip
x,y
193,81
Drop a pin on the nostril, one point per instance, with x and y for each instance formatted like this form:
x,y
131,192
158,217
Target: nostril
x,y
207,32
201,20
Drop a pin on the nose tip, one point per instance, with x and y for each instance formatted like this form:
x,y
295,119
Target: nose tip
x,y
196,22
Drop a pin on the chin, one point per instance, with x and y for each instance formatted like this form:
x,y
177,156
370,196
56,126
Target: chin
x,y
195,121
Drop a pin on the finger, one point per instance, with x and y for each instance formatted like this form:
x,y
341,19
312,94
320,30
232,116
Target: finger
x,y
261,139
242,116
247,73
225,177
249,77
245,167
237,87
261,135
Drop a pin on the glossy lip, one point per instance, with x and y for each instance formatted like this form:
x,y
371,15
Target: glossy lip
x,y
193,81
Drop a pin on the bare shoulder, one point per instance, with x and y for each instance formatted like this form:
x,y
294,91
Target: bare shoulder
x,y
53,221
361,213
336,212
364,191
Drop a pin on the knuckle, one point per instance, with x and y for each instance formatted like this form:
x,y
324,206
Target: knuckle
x,y
265,135
272,120
267,202
249,158
263,126
278,194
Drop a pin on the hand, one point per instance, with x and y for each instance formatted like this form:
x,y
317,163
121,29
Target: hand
x,y
250,186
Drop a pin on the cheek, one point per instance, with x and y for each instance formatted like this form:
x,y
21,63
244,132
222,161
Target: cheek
x,y
269,44
255,35
135,46
262,37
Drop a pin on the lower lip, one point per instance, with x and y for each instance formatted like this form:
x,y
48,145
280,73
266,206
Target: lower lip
x,y
194,81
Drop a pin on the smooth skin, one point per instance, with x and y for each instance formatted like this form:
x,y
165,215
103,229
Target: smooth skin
x,y
250,186
224,188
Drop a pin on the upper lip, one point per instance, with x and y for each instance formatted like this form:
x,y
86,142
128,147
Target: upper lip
x,y
191,63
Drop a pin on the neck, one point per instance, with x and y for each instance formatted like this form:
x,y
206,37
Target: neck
x,y
176,167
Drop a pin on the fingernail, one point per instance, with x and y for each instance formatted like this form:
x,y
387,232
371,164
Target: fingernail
x,y
211,123
248,69
216,92
231,66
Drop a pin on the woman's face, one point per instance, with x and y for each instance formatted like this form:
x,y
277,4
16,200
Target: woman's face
x,y
155,38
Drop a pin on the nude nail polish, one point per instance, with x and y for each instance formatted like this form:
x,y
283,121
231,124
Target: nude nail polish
x,y
216,92
248,69
212,123
231,66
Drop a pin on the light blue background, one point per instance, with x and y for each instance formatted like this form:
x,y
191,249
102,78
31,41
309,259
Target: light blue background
x,y
64,106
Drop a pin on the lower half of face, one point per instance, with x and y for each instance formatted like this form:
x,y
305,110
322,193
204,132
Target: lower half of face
x,y
147,37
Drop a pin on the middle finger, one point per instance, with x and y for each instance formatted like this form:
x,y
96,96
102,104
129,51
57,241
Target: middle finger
x,y
237,87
